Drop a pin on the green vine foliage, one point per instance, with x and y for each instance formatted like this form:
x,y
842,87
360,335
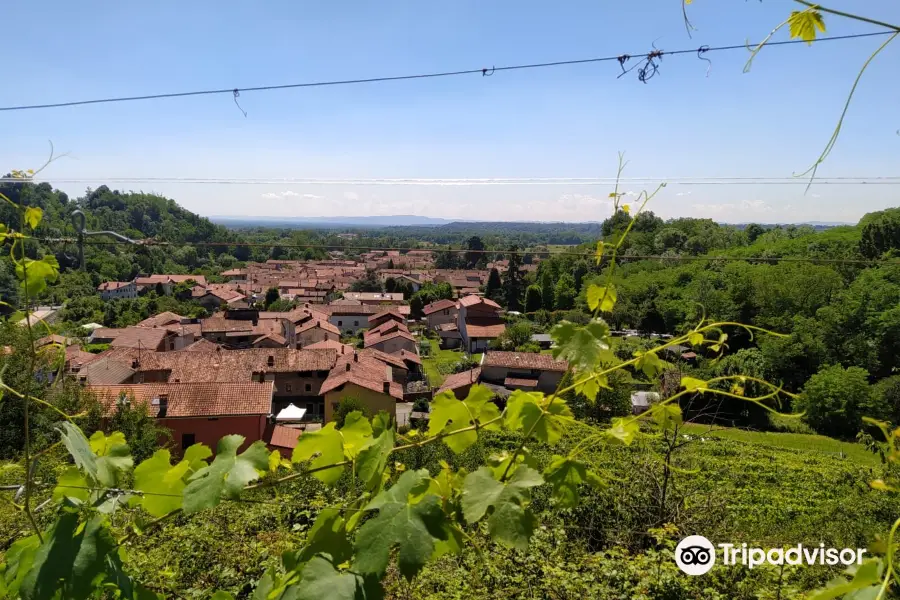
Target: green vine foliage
x,y
392,515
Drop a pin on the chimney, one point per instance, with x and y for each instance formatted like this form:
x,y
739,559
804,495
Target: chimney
x,y
135,363
348,366
355,357
163,405
342,348
387,387
271,361
388,372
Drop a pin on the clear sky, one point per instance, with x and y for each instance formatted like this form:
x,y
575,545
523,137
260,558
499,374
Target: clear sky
x,y
561,122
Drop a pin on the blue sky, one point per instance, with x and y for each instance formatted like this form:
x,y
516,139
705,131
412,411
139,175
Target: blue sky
x,y
561,122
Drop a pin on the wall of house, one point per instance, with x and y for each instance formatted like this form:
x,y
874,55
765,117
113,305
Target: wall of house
x,y
209,430
128,291
448,315
478,345
374,401
547,380
349,323
311,336
395,345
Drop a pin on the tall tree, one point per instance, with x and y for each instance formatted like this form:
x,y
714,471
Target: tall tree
x,y
547,287
494,288
564,294
513,284
272,296
474,253
533,301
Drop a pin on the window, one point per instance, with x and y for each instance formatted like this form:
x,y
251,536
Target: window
x,y
446,311
356,323
187,440
340,323
287,387
308,387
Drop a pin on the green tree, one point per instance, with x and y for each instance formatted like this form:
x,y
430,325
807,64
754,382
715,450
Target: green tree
x,y
533,300
753,231
512,285
347,405
547,287
369,283
887,395
494,288
474,251
880,232
835,400
272,296
564,294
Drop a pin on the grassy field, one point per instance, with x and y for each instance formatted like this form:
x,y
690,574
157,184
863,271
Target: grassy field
x,y
789,441
439,356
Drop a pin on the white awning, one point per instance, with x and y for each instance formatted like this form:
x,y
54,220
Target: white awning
x,y
291,413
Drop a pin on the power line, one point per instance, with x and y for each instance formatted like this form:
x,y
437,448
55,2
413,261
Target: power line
x,y
439,250
463,181
485,72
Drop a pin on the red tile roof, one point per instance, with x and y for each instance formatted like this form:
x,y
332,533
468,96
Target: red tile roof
x,y
458,380
202,345
438,306
108,286
523,360
279,436
390,314
221,324
485,328
161,320
472,300
192,399
390,359
324,325
331,345
236,365
364,371
139,337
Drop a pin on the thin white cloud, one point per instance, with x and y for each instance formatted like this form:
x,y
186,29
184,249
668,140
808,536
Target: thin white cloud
x,y
289,194
270,195
352,196
683,193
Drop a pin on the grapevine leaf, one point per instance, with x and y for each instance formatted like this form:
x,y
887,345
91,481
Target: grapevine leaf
x,y
71,484
498,463
68,560
412,527
667,416
604,297
864,580
532,412
356,433
322,580
372,459
19,559
511,523
623,430
102,445
380,423
803,24
584,347
196,456
163,483
447,416
452,545
113,457
226,475
34,274
479,404
33,216
695,338
565,475
649,363
598,255
79,448
691,383
328,534
327,444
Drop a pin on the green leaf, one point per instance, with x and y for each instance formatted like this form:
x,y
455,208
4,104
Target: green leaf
x,y
356,433
590,387
667,416
227,475
623,430
803,24
584,347
77,445
695,338
102,445
380,422
412,527
863,583
691,384
34,274
196,456
604,297
19,560
565,475
157,476
328,446
113,457
33,216
598,255
372,459
649,363
328,534
220,595
71,477
498,463
448,415
511,523
321,580
542,416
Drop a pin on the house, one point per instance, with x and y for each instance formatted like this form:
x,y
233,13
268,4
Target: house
x,y
317,330
641,401
374,298
368,380
45,314
461,383
331,345
163,319
523,370
390,337
282,438
77,359
115,290
213,297
543,340
449,334
440,312
479,322
165,283
386,316
149,339
106,370
240,333
197,413
297,374
350,318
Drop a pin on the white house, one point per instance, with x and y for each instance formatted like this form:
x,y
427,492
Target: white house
x,y
114,290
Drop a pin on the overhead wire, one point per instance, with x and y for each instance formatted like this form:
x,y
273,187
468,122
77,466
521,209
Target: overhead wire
x,y
235,92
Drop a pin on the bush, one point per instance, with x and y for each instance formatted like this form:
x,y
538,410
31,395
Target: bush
x,y
346,406
836,399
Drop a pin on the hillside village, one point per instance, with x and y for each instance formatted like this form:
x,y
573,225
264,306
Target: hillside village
x,y
271,375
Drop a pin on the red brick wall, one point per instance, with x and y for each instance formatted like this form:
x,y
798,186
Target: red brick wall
x,y
209,432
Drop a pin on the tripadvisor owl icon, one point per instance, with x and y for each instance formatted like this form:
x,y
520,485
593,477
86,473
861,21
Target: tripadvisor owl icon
x,y
695,555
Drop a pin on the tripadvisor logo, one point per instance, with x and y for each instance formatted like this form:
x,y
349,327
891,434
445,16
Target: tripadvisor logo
x,y
696,555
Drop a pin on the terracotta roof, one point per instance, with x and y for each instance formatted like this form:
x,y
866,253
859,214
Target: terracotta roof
x,y
236,365
458,380
472,300
154,279
335,309
161,320
331,345
390,359
484,328
192,399
219,324
523,360
448,327
320,324
520,382
390,312
383,338
108,286
202,345
55,339
365,371
279,436
381,296
106,370
410,356
139,337
106,333
438,306
77,358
